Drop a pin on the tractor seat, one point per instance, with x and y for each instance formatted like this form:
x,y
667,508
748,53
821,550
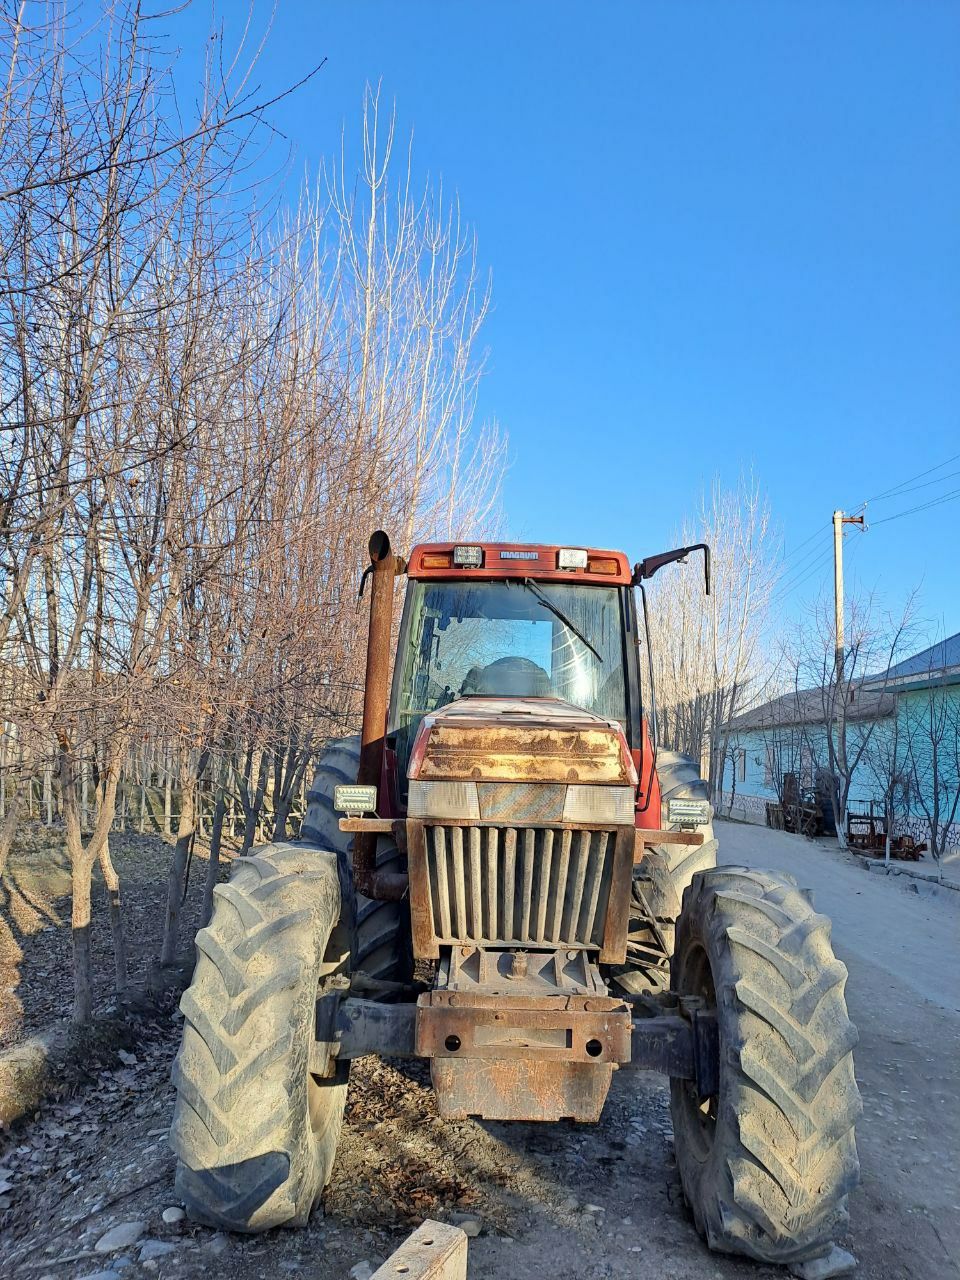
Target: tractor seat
x,y
508,677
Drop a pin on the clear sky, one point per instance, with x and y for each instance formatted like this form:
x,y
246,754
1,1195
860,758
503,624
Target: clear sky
x,y
722,236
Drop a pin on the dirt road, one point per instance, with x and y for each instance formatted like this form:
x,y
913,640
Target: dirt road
x,y
900,940
560,1201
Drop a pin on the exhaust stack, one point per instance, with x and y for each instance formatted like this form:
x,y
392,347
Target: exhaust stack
x,y
383,570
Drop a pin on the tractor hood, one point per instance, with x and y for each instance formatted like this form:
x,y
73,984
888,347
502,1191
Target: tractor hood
x,y
523,739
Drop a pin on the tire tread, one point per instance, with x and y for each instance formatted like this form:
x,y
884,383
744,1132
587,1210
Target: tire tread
x,y
784,1161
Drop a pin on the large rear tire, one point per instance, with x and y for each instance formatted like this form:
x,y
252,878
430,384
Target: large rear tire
x,y
254,1131
661,878
380,930
767,1164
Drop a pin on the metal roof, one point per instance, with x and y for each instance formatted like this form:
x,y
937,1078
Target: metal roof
x,y
932,661
872,697
811,706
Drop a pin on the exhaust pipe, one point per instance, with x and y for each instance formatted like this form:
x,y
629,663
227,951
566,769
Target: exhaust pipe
x,y
386,886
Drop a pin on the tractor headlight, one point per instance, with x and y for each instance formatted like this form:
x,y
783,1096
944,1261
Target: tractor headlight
x,y
688,813
444,800
353,799
598,804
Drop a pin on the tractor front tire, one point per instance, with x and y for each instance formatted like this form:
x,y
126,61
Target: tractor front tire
x,y
661,878
767,1164
380,931
254,1131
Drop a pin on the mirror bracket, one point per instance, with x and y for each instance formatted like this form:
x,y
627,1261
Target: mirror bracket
x,y
647,567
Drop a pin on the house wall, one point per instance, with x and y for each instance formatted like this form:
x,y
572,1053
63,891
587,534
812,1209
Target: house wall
x,y
749,781
923,714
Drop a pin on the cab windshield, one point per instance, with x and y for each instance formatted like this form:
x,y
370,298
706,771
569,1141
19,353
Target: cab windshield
x,y
507,639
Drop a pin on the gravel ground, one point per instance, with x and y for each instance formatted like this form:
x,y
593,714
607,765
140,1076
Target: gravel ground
x,y
561,1201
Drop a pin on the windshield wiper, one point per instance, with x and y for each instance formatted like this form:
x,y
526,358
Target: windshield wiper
x,y
558,613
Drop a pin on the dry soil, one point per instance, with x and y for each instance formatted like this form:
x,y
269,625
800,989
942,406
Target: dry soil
x,y
557,1201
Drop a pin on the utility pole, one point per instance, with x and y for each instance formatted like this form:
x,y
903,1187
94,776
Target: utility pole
x,y
839,520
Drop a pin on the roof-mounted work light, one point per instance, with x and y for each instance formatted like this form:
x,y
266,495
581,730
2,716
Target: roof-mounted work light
x,y
571,558
468,557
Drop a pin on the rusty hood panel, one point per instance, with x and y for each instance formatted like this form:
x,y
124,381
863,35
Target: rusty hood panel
x,y
521,740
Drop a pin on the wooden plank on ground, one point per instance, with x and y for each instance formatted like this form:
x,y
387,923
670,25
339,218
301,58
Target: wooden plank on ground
x,y
435,1251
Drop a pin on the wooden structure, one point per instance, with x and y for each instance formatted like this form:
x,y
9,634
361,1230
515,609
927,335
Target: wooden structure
x,y
867,833
435,1251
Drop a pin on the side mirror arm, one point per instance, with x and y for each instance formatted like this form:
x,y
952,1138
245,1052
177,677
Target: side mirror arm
x,y
649,566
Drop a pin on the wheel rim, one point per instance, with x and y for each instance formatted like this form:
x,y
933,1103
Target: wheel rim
x,y
699,1114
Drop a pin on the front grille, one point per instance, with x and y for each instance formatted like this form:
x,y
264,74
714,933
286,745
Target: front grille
x,y
519,885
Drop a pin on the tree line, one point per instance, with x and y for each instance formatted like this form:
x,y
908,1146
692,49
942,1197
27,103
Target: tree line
x,y
210,396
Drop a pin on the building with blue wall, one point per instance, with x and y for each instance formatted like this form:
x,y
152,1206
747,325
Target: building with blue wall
x,y
903,728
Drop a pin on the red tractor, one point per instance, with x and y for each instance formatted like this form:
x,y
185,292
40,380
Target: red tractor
x,y
505,875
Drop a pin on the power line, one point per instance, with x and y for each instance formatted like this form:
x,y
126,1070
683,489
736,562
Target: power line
x,y
923,506
799,547
805,560
797,580
926,484
809,563
898,488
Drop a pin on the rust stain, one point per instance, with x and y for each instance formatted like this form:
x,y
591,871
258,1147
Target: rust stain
x,y
520,1089
564,1028
510,753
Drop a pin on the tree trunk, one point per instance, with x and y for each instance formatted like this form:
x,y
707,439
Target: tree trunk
x,y
213,864
85,795
252,810
48,794
8,828
733,788
167,795
888,814
143,790
80,884
281,817
82,861
176,878
112,882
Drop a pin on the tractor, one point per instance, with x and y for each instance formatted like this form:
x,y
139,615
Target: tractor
x,y
506,875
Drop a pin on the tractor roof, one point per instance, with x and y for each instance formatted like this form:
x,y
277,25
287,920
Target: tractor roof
x,y
518,560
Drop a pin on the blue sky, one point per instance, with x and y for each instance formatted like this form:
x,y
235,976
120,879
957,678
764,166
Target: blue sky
x,y
723,236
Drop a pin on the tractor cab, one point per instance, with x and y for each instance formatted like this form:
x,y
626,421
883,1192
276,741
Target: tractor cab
x,y
514,622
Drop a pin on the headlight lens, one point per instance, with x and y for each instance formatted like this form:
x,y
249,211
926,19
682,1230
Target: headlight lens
x,y
688,813
598,804
444,800
352,798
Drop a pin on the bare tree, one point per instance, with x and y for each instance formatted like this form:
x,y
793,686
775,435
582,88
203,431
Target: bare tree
x,y
889,764
107,228
708,655
932,727
844,698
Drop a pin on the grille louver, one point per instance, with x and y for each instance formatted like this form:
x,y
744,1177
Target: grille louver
x,y
519,885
